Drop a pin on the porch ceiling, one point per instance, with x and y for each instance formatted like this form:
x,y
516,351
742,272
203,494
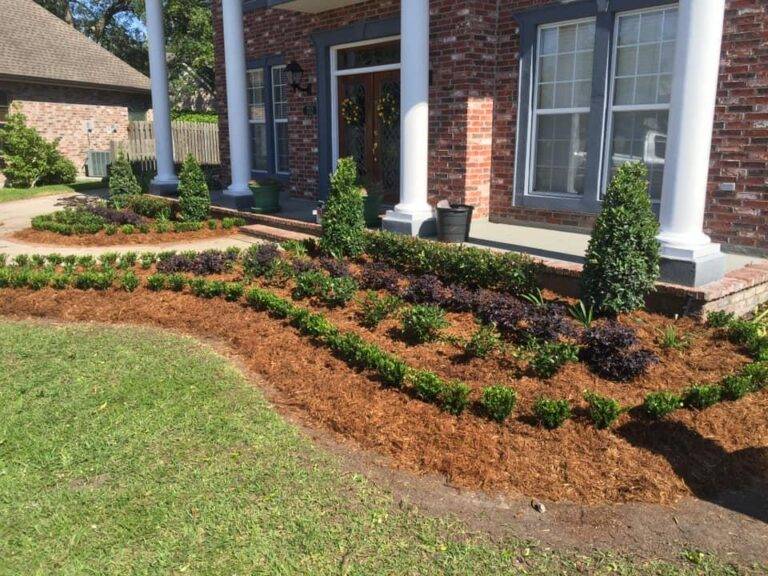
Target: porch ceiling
x,y
312,6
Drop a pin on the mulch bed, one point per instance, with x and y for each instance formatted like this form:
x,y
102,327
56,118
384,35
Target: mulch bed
x,y
689,453
32,236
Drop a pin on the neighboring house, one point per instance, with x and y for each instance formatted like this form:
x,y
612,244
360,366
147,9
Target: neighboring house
x,y
68,86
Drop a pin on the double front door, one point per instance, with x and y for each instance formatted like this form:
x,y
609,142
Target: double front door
x,y
369,129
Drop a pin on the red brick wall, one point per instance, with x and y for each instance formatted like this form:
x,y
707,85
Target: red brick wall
x,y
61,112
474,95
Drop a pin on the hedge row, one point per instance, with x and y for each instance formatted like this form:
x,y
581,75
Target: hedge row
x,y
473,267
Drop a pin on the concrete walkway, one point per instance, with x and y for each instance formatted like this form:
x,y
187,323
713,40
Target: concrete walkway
x,y
17,215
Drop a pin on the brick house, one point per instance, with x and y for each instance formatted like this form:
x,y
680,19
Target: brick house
x,y
522,108
67,86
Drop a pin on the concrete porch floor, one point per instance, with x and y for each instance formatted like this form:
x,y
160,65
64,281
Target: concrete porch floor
x,y
556,245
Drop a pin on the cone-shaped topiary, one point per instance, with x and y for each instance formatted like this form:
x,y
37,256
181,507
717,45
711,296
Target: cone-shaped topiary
x,y
622,261
122,181
343,222
194,198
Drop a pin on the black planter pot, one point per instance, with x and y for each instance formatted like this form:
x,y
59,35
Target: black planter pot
x,y
453,223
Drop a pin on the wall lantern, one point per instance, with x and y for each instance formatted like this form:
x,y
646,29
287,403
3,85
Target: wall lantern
x,y
295,76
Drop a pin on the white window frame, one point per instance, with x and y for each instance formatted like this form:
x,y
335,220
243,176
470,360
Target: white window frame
x,y
275,119
253,122
536,112
607,153
336,73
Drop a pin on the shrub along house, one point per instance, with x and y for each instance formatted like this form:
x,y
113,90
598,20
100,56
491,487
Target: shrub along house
x,y
523,109
66,85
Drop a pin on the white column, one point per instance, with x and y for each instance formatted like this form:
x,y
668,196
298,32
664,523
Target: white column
x,y
691,121
161,108
237,97
413,214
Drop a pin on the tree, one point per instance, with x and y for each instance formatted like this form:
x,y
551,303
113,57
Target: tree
x,y
117,26
122,181
622,260
27,159
343,221
194,198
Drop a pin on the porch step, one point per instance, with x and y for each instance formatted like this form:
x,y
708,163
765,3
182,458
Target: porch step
x,y
301,226
273,234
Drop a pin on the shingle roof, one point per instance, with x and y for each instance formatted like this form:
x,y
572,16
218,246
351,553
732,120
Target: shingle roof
x,y
35,45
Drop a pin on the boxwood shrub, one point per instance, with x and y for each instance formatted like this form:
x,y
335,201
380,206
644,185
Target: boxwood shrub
x,y
603,411
498,402
551,413
702,396
422,323
659,404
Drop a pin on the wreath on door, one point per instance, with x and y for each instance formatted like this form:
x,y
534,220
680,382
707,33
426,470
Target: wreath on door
x,y
388,109
352,111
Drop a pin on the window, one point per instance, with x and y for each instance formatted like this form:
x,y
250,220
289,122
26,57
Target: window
x,y
642,87
268,118
280,118
595,93
563,92
257,117
5,104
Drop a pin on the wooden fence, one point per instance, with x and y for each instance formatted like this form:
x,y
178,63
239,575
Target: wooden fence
x,y
199,139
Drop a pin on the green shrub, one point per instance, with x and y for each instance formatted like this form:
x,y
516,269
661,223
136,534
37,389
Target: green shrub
x,y
743,332
330,291
203,288
148,206
311,324
343,223
549,357
122,182
473,267
69,222
128,229
308,285
603,411
147,259
427,386
671,339
423,323
129,281
128,260
156,282
229,223
27,159
736,386
110,229
187,226
176,282
268,302
757,372
484,341
91,279
194,198
374,308
498,402
659,404
622,260
454,397
60,281
233,291
719,319
701,397
38,279
551,413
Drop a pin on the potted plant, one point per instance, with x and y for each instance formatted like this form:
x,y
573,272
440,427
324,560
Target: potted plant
x,y
372,197
266,195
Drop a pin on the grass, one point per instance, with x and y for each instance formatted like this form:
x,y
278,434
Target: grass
x,y
132,451
11,194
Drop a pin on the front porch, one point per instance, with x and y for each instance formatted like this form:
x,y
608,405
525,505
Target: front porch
x,y
689,256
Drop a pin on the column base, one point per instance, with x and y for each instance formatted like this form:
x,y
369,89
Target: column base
x,y
699,268
238,190
164,186
411,223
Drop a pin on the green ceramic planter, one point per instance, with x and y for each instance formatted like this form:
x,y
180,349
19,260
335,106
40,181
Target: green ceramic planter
x,y
372,210
266,197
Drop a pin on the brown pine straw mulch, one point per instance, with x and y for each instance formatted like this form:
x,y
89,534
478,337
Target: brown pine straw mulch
x,y
101,238
689,453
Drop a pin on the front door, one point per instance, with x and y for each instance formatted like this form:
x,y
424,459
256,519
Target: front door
x,y
369,129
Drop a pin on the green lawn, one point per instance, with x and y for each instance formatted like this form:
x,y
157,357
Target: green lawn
x,y
131,451
10,194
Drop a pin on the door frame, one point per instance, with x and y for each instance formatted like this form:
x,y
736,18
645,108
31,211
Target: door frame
x,y
336,73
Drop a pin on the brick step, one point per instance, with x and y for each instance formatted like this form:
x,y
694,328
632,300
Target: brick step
x,y
272,233
310,228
